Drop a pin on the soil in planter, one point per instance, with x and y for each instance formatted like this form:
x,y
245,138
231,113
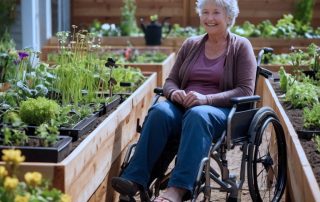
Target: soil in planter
x,y
295,116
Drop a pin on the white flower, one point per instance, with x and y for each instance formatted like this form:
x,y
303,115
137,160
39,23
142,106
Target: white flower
x,y
105,26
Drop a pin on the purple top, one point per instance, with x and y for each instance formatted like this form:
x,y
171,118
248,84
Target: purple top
x,y
239,71
205,74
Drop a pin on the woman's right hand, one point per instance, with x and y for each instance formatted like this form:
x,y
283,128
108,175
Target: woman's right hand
x,y
178,96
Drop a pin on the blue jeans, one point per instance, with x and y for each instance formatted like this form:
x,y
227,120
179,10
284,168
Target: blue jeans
x,y
196,128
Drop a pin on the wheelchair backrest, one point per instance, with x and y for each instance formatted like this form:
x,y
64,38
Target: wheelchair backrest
x,y
242,114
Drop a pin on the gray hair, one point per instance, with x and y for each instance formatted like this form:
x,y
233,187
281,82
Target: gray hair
x,y
231,7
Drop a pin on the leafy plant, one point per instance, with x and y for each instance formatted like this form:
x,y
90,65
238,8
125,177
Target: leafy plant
x,y
38,111
154,18
6,42
286,27
128,23
286,80
48,133
33,188
317,141
266,28
178,31
129,75
311,117
314,53
302,94
13,130
247,30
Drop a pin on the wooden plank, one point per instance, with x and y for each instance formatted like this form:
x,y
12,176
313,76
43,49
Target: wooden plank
x,y
302,184
288,68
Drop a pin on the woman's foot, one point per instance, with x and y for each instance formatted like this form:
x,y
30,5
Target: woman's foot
x,y
171,194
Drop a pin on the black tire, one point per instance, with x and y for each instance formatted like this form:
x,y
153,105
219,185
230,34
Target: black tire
x,y
267,163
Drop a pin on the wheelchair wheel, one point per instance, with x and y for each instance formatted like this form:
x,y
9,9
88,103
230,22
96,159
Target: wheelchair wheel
x,y
266,157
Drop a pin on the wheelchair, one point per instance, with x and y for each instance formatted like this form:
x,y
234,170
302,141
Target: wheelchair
x,y
259,135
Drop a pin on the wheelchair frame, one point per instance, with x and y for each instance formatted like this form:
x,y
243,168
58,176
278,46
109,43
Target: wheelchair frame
x,y
248,134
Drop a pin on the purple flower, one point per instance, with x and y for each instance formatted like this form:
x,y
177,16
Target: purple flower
x,y
23,55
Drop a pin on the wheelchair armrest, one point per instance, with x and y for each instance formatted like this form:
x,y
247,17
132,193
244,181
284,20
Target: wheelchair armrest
x,y
244,99
158,91
265,73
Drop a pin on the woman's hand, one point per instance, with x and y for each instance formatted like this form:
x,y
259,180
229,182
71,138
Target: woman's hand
x,y
194,99
178,96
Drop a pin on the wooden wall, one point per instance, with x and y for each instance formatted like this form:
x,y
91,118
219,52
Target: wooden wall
x,y
181,11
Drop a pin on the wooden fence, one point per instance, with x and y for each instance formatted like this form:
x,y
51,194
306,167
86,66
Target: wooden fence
x,y
181,11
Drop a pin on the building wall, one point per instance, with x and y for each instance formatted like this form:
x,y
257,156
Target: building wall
x,y
83,12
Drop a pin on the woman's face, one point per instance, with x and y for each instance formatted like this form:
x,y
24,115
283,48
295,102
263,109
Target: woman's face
x,y
213,18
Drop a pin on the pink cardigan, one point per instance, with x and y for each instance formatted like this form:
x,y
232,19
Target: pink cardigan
x,y
239,69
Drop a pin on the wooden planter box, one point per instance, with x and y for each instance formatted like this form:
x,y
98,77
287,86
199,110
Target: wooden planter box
x,y
280,45
302,184
288,68
81,173
174,43
162,69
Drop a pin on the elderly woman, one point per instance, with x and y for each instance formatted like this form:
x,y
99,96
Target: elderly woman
x,y
209,70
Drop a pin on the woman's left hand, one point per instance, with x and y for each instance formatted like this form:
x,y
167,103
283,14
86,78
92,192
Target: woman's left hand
x,y
194,99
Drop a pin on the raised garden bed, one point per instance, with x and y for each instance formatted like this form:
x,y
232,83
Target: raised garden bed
x,y
161,68
81,173
302,184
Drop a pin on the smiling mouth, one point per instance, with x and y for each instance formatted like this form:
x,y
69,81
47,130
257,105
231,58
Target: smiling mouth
x,y
211,25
